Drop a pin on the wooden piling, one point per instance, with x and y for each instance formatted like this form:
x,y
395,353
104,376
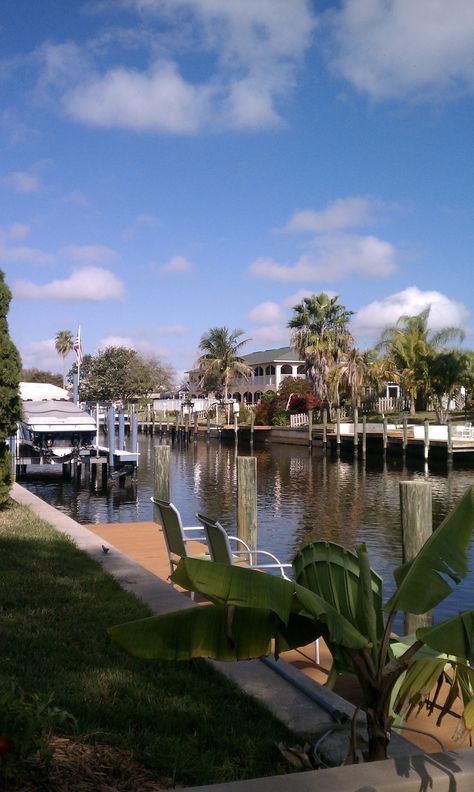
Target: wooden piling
x,y
356,431
252,425
338,428
195,429
364,436
208,425
450,440
426,425
385,434
404,433
247,500
310,428
111,436
325,428
417,527
236,429
161,478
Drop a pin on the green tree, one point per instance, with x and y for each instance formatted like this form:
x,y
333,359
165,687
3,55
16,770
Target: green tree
x,y
120,374
221,357
408,345
36,375
339,597
351,373
10,403
321,336
64,344
447,372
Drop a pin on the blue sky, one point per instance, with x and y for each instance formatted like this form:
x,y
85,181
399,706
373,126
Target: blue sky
x,y
173,165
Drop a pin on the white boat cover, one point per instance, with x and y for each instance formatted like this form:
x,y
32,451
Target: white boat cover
x,y
53,416
41,390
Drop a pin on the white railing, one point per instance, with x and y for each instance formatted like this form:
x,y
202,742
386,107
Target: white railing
x,y
301,419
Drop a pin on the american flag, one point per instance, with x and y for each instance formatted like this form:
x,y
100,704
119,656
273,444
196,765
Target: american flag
x,y
78,348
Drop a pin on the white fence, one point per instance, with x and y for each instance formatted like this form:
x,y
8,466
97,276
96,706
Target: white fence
x,y
301,419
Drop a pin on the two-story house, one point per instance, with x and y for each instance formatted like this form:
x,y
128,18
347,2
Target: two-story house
x,y
268,367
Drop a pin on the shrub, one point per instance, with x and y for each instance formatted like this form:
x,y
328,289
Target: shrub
x,y
281,418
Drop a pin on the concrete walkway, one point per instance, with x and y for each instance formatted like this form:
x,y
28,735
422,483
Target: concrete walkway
x,y
290,704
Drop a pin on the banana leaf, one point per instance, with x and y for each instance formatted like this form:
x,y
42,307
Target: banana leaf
x,y
216,631
240,586
424,582
453,636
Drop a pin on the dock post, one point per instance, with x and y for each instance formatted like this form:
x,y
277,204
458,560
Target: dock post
x,y
134,436
364,436
325,428
236,429
426,425
121,431
404,434
247,500
417,527
161,481
310,428
385,435
356,430
111,437
252,426
195,430
338,428
450,440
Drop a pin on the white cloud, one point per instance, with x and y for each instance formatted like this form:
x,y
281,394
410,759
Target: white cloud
x,y
343,213
252,50
170,330
142,221
15,231
23,254
92,284
22,182
177,264
266,312
157,100
402,48
94,254
41,355
333,257
272,335
374,317
115,341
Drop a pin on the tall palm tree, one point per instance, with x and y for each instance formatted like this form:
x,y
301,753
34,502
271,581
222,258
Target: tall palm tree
x,y
353,372
64,345
321,336
220,356
409,346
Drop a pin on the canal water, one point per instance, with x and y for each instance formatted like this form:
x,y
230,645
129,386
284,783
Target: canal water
x,y
302,497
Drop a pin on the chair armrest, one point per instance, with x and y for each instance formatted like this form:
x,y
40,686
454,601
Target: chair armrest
x,y
241,541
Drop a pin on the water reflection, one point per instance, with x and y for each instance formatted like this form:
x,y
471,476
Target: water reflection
x,y
301,497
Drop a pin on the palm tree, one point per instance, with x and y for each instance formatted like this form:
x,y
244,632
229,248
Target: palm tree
x,y
64,345
353,372
409,348
321,336
220,356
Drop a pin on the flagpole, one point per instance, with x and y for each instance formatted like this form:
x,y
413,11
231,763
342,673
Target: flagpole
x,y
78,361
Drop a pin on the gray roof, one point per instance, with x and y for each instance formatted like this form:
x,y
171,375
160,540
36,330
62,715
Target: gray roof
x,y
281,355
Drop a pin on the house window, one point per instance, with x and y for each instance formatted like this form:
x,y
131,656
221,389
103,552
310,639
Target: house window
x,y
270,370
392,391
300,370
257,396
236,396
258,371
248,397
286,369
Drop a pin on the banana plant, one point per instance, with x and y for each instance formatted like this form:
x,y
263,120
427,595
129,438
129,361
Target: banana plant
x,y
338,596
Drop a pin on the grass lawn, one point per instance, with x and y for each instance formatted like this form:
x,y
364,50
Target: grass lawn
x,y
182,722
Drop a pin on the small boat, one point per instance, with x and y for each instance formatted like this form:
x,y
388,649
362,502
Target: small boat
x,y
55,431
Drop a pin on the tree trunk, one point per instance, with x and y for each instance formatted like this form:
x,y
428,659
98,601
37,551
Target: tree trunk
x,y
412,405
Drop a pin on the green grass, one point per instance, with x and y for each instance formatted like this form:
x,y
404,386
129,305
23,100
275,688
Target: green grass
x,y
183,720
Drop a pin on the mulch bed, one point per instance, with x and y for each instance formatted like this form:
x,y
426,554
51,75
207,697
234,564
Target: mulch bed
x,y
79,767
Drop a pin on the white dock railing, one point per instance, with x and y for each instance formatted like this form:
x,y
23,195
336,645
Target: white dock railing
x,y
301,419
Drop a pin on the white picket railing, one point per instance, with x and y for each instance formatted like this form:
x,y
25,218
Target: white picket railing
x,y
301,419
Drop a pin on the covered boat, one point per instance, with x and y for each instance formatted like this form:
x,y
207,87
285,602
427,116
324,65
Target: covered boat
x,y
55,431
